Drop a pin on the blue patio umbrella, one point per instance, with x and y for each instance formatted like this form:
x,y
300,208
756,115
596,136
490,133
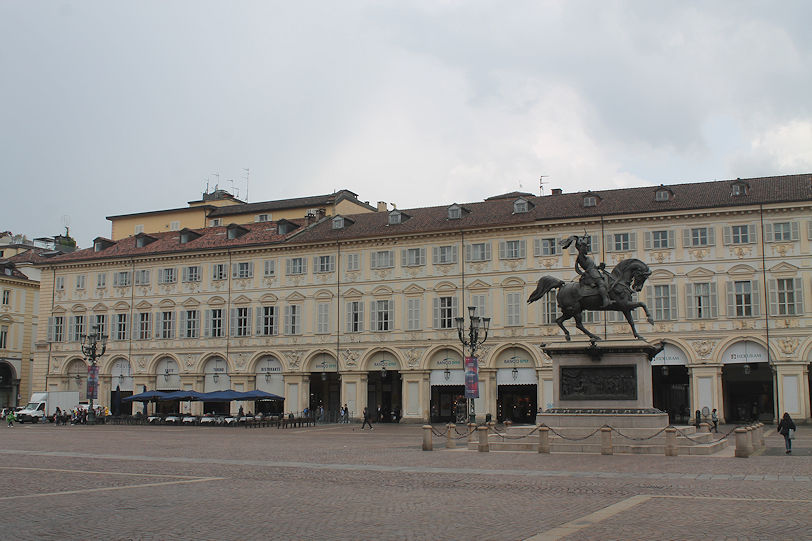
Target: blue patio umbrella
x,y
182,395
222,396
260,395
146,396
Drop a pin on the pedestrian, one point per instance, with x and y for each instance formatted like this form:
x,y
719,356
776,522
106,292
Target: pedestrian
x,y
698,416
10,418
366,420
715,419
786,427
241,413
57,416
380,414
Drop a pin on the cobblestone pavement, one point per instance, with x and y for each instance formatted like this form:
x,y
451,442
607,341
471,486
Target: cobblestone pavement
x,y
337,482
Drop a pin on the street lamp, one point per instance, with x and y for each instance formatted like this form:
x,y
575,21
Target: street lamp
x,y
472,341
93,347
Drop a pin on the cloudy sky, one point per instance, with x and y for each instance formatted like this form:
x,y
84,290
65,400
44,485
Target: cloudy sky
x,y
110,107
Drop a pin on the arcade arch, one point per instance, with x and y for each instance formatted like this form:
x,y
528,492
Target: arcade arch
x,y
325,385
671,383
747,382
516,384
384,386
447,380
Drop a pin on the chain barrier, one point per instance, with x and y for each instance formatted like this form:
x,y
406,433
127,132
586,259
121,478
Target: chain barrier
x,y
507,436
563,437
622,435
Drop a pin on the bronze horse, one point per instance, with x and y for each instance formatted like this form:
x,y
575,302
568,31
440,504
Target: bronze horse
x,y
573,298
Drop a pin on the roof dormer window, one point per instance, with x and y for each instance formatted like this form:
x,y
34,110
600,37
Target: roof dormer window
x,y
187,235
235,231
590,201
100,243
397,217
262,218
663,194
739,187
454,212
284,227
338,222
521,205
142,240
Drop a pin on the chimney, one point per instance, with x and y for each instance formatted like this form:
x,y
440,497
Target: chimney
x,y
557,191
381,206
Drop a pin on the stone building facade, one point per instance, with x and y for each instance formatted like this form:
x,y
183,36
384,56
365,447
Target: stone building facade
x,y
359,309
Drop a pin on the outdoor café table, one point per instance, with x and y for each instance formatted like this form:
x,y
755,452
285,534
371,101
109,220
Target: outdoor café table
x,y
208,420
231,420
174,419
189,420
154,419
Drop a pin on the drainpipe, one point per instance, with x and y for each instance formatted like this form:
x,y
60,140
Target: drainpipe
x,y
767,315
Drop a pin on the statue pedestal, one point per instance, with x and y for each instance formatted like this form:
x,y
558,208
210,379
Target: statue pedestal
x,y
602,383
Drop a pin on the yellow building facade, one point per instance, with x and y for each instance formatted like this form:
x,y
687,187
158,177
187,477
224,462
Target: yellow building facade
x,y
359,309
19,298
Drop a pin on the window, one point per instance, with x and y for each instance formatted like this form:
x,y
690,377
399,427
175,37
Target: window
x,y
100,322
167,276
445,310
591,316
742,298
6,297
266,325
478,302
698,236
3,337
191,274
662,195
240,321
293,319
121,279
781,231
740,234
384,259
513,308
701,300
355,316
242,270
353,262
215,222
511,249
142,277
214,323
167,326
270,267
56,331
549,308
480,251
295,265
395,217
338,222
174,226
454,212
590,201
323,318
80,281
659,240
382,315
324,263
144,325
76,328
59,283
413,257
262,218
413,314
623,242
101,280
121,327
218,272
663,300
444,255
520,206
786,297
190,323
546,247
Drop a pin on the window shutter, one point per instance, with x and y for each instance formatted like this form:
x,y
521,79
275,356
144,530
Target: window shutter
x,y
185,275
71,327
183,323
673,308
647,240
453,254
773,295
536,247
798,288
502,249
436,313
809,230
756,298
207,325
391,313
686,238
611,247
422,256
595,244
348,312
713,301
633,241
454,311
51,328
435,254
768,232
727,236
232,327
731,299
150,323
690,301
248,319
234,270
250,269
794,228
258,327
316,264
373,316
650,296
711,236
751,234
487,251
158,324
522,249
671,239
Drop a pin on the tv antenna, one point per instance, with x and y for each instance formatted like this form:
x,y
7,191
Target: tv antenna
x,y
246,173
542,183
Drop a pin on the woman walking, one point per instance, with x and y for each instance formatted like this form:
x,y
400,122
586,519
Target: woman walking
x,y
786,427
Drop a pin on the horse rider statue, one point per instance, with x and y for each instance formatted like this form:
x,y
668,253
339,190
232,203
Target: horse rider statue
x,y
591,274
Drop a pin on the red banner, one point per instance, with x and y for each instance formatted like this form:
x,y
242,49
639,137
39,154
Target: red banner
x,y
93,382
471,377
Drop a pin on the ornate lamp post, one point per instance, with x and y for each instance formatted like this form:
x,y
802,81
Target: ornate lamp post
x,y
93,347
472,341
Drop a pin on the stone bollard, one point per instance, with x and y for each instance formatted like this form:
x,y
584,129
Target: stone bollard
x,y
450,442
483,446
606,441
471,432
427,445
704,427
544,440
671,448
751,438
741,443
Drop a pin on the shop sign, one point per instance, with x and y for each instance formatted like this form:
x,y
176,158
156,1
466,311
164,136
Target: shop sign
x,y
452,363
745,352
670,355
471,377
514,361
388,363
93,382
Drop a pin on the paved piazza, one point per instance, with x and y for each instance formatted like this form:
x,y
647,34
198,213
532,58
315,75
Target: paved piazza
x,y
336,482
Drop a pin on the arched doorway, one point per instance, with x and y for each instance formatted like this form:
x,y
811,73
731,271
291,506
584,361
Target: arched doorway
x,y
121,381
447,380
8,386
384,387
747,383
517,386
76,372
167,379
269,378
216,378
670,384
325,388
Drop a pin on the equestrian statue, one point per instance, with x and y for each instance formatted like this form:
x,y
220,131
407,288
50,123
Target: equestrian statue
x,y
596,289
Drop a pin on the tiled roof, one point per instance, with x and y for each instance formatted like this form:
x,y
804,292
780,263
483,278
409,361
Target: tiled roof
x,y
312,201
8,270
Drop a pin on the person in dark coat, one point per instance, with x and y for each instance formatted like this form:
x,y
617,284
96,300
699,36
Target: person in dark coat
x,y
698,418
784,426
366,420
